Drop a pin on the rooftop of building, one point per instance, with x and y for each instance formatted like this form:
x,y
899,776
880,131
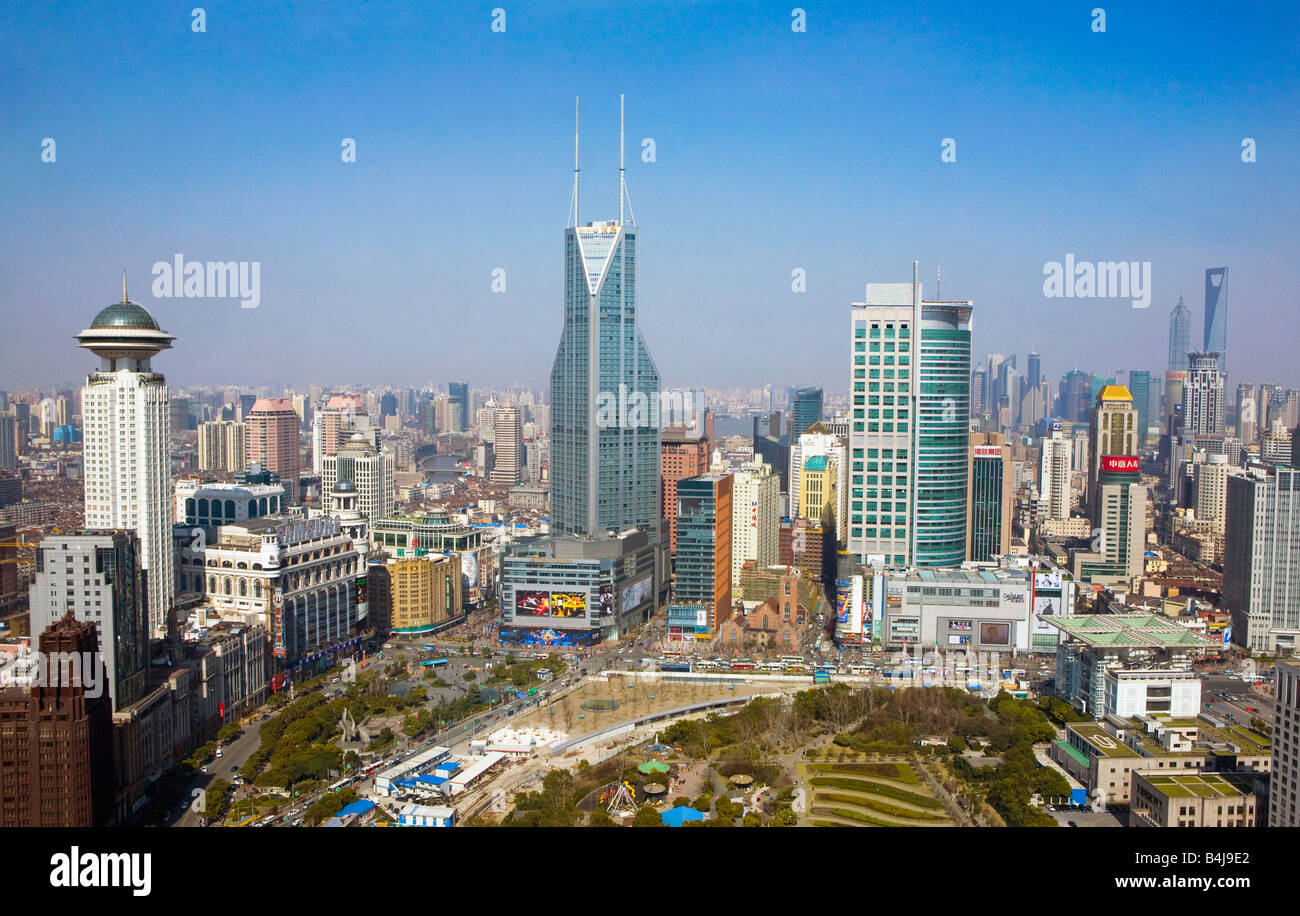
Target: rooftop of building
x,y
1201,785
125,315
1114,393
815,463
1127,631
970,576
272,405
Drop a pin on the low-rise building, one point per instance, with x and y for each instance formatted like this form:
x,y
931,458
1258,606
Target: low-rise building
x,y
1195,800
427,816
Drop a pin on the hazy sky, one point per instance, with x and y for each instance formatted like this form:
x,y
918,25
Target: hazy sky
x,y
775,150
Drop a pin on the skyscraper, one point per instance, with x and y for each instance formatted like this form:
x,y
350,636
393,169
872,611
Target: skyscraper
x,y
127,465
223,446
458,393
756,516
604,385
368,470
1034,371
1180,330
910,432
1139,385
989,498
1247,414
806,410
273,441
1203,396
1057,453
1261,558
1112,432
681,456
704,546
508,446
1216,315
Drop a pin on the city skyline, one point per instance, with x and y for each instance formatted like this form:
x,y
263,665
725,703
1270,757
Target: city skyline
x,y
413,227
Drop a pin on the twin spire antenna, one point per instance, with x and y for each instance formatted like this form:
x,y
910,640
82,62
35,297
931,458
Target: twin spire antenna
x,y
624,201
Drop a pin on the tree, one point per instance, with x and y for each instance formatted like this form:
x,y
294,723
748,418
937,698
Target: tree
x,y
647,817
703,803
601,818
352,759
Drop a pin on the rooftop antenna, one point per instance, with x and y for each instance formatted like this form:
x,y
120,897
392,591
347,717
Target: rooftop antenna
x,y
622,183
574,206
938,282
124,299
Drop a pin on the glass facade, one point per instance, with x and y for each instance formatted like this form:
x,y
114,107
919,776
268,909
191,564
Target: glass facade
x,y
604,392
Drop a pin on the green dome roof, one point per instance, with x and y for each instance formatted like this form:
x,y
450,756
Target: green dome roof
x,y
125,315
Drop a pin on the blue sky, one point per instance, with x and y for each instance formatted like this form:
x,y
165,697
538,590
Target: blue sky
x,y
775,150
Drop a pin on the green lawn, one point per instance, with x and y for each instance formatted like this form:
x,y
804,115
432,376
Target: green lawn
x,y
899,772
875,788
876,805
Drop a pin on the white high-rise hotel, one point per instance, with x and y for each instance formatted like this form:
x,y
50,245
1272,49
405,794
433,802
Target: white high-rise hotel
x,y
125,415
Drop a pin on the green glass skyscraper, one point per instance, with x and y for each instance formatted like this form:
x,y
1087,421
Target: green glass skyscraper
x,y
909,433
604,385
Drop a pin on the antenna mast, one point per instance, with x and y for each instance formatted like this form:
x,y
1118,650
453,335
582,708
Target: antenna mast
x,y
575,161
622,184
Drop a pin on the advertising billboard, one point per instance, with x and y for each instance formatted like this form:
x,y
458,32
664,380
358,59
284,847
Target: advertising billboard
x,y
606,600
549,636
995,633
988,451
277,623
637,594
532,604
1123,463
568,604
959,625
469,570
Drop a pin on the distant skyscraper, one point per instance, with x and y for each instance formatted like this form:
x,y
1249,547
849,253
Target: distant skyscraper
x,y
273,441
1057,452
127,462
1247,414
911,432
1034,372
1180,332
458,392
1216,315
508,446
604,385
1139,385
807,410
1203,396
8,442
368,470
1075,396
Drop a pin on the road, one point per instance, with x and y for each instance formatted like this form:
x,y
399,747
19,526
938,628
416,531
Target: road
x,y
1234,707
232,758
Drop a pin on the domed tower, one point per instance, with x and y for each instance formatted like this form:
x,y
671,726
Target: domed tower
x,y
125,414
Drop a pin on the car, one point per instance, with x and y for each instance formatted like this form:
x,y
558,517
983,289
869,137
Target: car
x,y
1072,823
234,769
203,769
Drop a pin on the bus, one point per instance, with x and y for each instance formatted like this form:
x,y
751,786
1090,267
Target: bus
x,y
772,666
681,665
372,768
434,662
860,669
796,668
742,665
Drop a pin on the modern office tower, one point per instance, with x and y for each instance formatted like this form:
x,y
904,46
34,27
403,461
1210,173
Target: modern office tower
x,y
911,432
1284,764
429,417
56,736
180,414
246,402
127,463
1261,566
1139,385
458,393
1171,423
819,495
1203,407
342,415
1216,316
771,445
1057,456
807,410
8,442
95,576
1074,399
604,475
979,391
1034,370
1247,414
223,446
273,441
1119,513
989,497
755,516
1211,478
682,456
1112,431
1180,336
369,470
387,405
508,446
703,567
